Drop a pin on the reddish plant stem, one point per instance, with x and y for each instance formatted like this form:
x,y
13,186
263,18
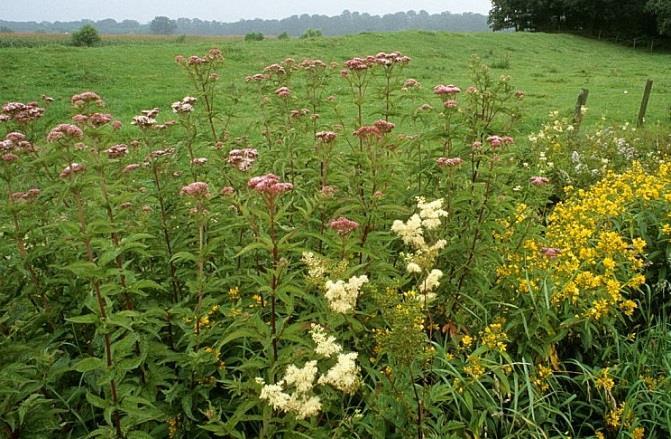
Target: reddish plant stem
x,y
116,419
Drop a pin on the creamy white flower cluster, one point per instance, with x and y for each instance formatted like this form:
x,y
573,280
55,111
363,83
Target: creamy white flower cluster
x,y
342,295
316,266
345,376
301,401
421,260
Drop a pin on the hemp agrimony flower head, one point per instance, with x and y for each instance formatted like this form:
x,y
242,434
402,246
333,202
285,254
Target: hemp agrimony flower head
x,y
71,169
449,162
243,159
184,106
343,226
269,185
326,136
449,90
20,112
117,151
88,97
196,189
65,132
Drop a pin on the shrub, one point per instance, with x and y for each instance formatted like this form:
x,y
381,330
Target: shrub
x,y
254,36
311,33
283,36
87,35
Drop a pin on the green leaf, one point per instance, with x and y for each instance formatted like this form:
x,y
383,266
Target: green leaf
x,y
89,364
85,319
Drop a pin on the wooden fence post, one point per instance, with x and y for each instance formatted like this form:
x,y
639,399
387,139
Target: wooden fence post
x,y
644,103
582,100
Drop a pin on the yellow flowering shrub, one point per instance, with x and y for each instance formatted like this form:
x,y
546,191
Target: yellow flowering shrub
x,y
589,258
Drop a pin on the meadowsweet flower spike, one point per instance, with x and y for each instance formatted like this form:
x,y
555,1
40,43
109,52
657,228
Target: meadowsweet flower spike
x,y
326,344
341,295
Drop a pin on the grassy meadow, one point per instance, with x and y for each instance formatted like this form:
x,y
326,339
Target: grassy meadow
x,y
327,239
137,72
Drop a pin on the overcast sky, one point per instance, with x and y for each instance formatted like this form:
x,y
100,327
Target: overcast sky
x,y
221,10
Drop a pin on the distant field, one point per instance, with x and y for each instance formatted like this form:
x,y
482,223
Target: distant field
x,y
136,72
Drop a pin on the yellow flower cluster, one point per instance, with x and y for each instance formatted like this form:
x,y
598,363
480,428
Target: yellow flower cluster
x,y
604,380
543,373
494,337
584,257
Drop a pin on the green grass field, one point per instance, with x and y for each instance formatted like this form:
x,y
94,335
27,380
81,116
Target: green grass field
x,y
132,73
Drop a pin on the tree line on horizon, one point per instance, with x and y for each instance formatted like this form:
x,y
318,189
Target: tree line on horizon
x,y
608,18
345,23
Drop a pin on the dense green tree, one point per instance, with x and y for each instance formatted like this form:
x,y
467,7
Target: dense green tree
x,y
662,9
596,17
163,26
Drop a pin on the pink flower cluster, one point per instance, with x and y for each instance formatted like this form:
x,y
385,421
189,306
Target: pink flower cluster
x,y
269,184
257,77
148,119
95,119
197,189
184,106
9,157
356,64
65,131
377,130
117,151
497,141
326,136
343,226
130,168
71,169
275,69
450,104
283,92
382,58
161,153
550,252
29,195
227,191
295,114
450,162
243,159
443,89
21,113
411,83
368,132
194,60
87,97
14,141
312,64
384,126
387,59
328,191
539,181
